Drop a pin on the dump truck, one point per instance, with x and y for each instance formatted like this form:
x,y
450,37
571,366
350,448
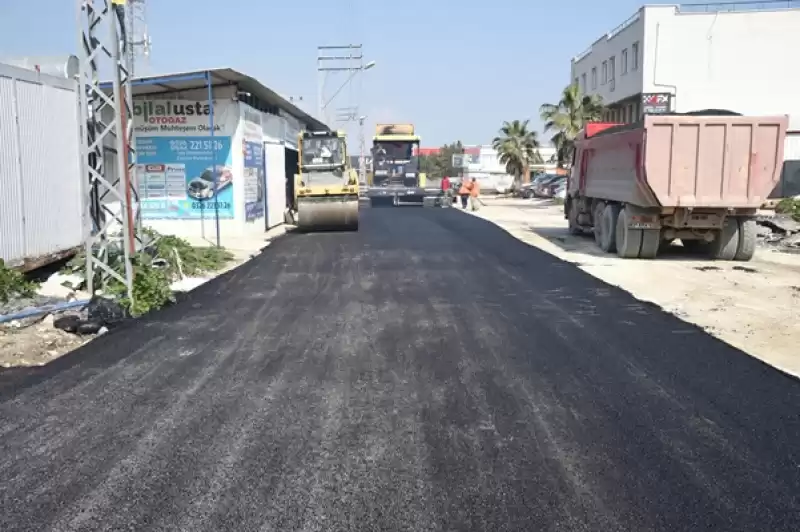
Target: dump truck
x,y
396,175
697,177
325,186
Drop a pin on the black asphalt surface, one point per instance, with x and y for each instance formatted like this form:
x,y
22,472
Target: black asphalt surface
x,y
429,372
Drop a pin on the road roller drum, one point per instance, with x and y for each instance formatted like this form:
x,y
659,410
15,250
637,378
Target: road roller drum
x,y
331,214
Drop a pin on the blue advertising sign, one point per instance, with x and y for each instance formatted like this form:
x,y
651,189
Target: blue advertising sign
x,y
254,180
177,175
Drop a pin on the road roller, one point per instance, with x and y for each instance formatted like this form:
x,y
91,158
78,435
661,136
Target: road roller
x,y
326,186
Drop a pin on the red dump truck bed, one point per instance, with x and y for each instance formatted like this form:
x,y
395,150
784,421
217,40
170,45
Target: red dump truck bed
x,y
682,161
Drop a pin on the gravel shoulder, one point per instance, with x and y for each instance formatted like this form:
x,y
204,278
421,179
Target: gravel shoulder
x,y
754,306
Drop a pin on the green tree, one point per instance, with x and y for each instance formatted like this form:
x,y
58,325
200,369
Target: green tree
x,y
438,165
517,148
568,117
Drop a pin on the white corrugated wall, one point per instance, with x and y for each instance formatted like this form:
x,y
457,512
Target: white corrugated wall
x,y
276,183
40,170
12,230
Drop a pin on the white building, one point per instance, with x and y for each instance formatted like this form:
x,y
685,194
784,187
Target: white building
x,y
688,58
216,153
486,167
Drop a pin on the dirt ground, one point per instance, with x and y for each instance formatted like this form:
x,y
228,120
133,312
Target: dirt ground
x,y
35,342
754,306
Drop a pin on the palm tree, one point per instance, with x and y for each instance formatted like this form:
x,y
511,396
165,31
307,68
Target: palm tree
x,y
517,148
568,117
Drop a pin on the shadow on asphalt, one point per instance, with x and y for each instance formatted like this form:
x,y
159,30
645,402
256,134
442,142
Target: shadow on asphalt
x,y
585,244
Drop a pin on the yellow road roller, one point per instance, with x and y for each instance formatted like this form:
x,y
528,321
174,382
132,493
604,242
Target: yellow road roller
x,y
326,186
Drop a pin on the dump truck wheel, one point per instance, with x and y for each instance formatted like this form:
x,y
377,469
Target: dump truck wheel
x,y
572,219
725,245
746,247
629,241
608,233
597,222
651,243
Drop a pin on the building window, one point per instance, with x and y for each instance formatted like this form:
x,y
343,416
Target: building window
x,y
611,75
594,77
624,59
576,82
583,83
635,53
604,78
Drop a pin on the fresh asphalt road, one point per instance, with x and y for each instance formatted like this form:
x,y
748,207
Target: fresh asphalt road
x,y
429,372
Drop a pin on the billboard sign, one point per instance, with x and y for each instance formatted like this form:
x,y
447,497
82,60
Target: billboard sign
x,y
460,160
656,103
182,171
254,177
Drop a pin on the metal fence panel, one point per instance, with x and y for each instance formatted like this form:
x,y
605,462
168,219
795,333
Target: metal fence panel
x,y
40,174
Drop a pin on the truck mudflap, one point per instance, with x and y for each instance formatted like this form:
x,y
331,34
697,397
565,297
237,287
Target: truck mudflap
x,y
642,218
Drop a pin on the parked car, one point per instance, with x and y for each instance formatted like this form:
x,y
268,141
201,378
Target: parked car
x,y
561,191
542,189
552,186
528,190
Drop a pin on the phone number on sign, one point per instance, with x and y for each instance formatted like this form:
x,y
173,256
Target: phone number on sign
x,y
203,206
194,145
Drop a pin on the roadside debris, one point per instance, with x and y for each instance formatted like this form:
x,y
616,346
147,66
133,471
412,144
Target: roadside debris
x,y
42,321
779,232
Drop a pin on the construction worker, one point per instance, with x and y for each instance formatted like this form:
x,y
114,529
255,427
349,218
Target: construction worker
x,y
474,192
464,192
447,192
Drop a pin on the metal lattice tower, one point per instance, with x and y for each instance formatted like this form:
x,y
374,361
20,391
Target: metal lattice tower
x,y
107,132
137,37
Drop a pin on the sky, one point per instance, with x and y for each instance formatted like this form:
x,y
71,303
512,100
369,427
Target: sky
x,y
455,68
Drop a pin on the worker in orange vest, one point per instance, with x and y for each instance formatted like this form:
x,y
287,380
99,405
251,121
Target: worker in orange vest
x,y
464,192
474,192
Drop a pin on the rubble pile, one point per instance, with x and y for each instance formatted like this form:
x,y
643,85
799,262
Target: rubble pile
x,y
35,330
779,232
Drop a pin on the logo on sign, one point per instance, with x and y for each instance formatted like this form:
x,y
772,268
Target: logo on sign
x,y
657,103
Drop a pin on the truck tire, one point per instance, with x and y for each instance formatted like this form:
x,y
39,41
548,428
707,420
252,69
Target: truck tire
x,y
651,243
725,245
608,231
597,222
629,241
747,239
572,218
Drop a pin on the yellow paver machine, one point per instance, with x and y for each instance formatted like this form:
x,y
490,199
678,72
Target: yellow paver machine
x,y
326,186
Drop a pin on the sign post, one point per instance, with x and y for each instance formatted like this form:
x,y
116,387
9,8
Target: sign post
x,y
460,161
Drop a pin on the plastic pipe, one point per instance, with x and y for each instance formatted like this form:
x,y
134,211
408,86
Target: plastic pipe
x,y
47,309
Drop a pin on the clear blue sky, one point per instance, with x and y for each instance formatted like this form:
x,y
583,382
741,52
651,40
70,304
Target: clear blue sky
x,y
455,68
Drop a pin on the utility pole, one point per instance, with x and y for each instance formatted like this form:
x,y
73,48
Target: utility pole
x,y
347,114
362,163
107,126
343,58
137,38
